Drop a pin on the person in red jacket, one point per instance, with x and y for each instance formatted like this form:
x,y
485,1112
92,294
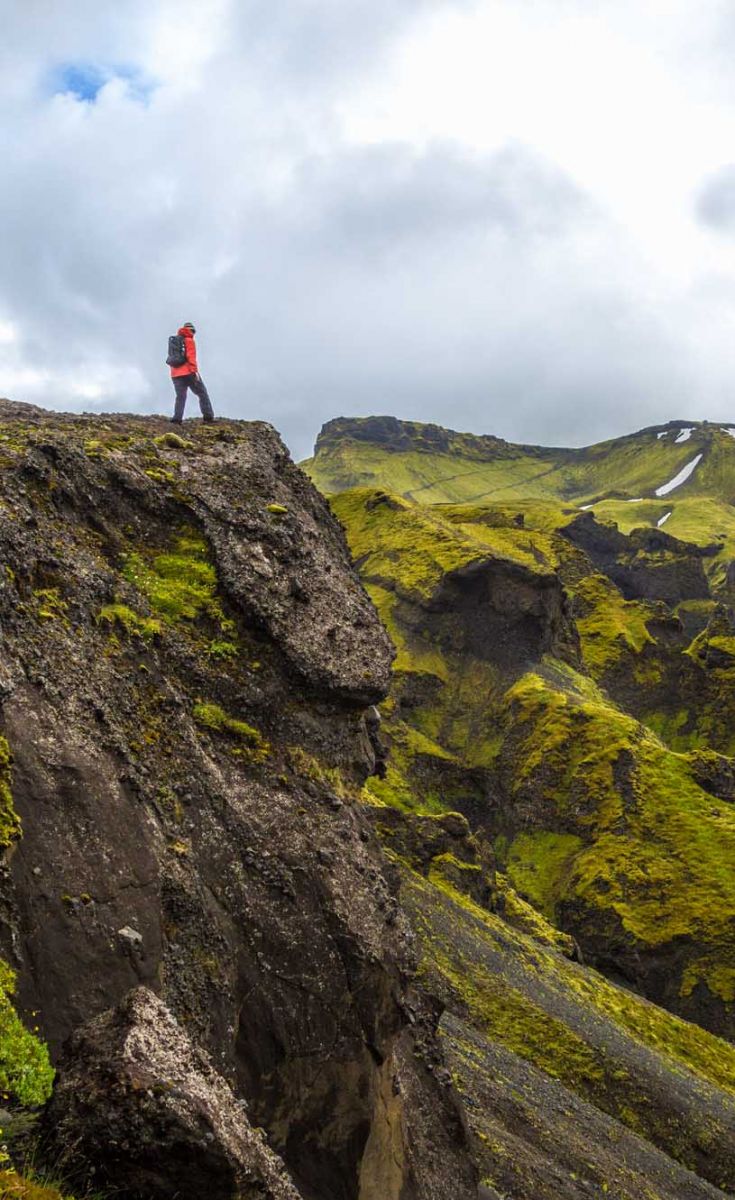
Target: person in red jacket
x,y
188,376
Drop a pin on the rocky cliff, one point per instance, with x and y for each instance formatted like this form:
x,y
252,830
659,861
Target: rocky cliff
x,y
187,656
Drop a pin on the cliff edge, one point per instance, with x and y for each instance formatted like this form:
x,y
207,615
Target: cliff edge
x,y
187,656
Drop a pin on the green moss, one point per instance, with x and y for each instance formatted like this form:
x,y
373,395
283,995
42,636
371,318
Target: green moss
x,y
26,1074
671,728
211,716
51,605
522,915
726,646
608,625
173,441
716,975
683,1041
277,510
10,824
308,766
411,754
34,1186
654,860
537,863
546,977
160,475
395,541
18,1187
447,868
414,655
222,650
180,584
530,548
134,624
505,1014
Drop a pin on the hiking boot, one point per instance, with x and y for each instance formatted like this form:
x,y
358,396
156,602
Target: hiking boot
x,y
175,421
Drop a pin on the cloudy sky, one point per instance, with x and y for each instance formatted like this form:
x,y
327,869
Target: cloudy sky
x,y
509,216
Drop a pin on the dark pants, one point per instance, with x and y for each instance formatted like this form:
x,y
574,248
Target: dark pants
x,y
181,384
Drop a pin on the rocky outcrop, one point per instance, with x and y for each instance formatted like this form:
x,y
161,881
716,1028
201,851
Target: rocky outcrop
x,y
502,612
137,1107
186,660
647,565
395,436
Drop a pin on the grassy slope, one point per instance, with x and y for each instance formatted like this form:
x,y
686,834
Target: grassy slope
x,y
601,825
629,466
571,1080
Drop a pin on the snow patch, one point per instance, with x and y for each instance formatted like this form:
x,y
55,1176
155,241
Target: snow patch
x,y
635,500
684,474
663,434
731,432
684,436
662,520
585,507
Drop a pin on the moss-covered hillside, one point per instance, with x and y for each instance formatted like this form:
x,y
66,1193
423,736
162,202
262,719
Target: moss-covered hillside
x,y
583,733
631,480
573,1087
560,787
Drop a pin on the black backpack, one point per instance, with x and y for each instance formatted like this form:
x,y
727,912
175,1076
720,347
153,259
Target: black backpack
x,y
176,351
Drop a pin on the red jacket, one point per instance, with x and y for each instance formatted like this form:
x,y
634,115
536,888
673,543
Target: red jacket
x,y
190,366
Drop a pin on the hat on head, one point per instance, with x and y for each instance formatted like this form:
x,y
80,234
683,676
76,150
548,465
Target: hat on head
x,y
188,325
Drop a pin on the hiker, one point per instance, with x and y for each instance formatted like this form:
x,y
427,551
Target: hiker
x,y
185,374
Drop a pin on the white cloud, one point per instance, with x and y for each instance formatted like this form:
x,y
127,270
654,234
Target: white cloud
x,y
481,213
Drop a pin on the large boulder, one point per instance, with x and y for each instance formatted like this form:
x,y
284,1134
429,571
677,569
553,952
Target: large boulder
x,y
138,1107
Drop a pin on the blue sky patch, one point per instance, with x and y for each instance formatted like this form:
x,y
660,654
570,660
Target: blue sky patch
x,y
84,80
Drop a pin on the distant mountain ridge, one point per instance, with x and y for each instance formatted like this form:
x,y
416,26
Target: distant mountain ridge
x,y
396,435
367,451
680,474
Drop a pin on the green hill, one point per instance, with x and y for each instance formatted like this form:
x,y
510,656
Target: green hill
x,y
618,479
560,783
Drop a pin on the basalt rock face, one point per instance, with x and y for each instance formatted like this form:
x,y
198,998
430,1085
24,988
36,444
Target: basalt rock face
x,y
502,612
186,659
648,565
135,1097
395,436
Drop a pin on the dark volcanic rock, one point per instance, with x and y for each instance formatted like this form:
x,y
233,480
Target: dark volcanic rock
x,y
138,1108
648,564
395,436
503,612
187,655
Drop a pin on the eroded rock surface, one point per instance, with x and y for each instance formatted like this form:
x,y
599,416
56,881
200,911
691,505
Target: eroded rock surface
x,y
186,658
140,1104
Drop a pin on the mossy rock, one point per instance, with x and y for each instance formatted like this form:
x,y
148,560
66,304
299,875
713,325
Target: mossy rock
x,y
134,624
643,1066
210,716
10,823
173,441
180,583
26,1073
17,1187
